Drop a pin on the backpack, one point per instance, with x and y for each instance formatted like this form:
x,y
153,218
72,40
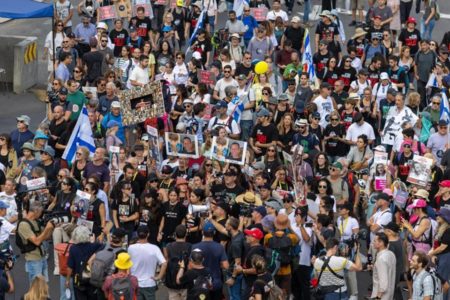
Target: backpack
x,y
102,265
26,247
278,252
437,287
121,288
349,179
173,266
82,278
202,286
275,292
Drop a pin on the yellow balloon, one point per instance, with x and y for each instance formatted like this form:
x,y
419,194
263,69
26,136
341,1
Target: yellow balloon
x,y
261,67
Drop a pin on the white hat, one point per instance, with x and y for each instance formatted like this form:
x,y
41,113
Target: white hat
x,y
102,25
295,19
115,104
197,55
384,75
188,101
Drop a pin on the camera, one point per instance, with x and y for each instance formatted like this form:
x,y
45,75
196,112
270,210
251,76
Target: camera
x,y
55,217
7,259
245,210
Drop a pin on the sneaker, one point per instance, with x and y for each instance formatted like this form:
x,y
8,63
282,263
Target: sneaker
x,y
353,23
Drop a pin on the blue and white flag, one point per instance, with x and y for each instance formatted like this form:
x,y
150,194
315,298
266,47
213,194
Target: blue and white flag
x,y
307,59
444,109
81,136
197,27
239,5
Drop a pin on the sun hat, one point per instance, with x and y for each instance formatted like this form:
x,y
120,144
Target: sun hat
x,y
123,261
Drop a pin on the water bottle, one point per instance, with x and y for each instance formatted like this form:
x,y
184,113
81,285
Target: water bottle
x,y
68,294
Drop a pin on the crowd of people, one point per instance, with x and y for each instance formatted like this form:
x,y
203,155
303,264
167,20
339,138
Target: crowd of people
x,y
274,171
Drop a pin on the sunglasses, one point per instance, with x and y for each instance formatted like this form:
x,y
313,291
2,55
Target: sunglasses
x,y
87,190
126,188
266,94
332,169
104,41
406,146
55,83
79,153
77,71
226,72
315,118
154,180
322,186
60,176
208,165
271,150
334,119
437,103
2,139
60,25
43,152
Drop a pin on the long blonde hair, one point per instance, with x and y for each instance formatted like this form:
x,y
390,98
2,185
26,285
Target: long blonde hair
x,y
38,289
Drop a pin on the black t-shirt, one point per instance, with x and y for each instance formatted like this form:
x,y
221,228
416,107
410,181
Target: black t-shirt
x,y
93,60
445,239
264,135
410,39
142,26
247,262
373,77
259,287
188,279
127,209
119,39
397,248
397,76
220,190
347,76
402,162
339,98
359,45
241,69
173,216
56,130
322,28
203,47
334,147
235,248
296,36
320,60
218,236
329,76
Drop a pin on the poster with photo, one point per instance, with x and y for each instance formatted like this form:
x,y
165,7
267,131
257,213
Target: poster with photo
x,y
394,121
114,159
380,157
81,204
219,148
236,152
153,147
182,145
419,170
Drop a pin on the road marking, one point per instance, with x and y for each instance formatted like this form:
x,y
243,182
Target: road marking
x,y
30,53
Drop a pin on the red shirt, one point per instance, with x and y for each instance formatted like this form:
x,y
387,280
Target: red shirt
x,y
107,285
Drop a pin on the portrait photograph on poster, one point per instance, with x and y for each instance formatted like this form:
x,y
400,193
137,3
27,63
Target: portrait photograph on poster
x,y
139,103
182,145
236,152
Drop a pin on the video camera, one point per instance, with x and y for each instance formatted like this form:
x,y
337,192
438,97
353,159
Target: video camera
x,y
7,259
55,217
245,210
346,247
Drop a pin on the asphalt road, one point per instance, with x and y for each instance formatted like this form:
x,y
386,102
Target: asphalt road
x,y
12,105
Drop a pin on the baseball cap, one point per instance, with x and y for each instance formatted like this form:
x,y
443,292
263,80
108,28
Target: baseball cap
x,y
444,213
115,104
295,19
273,204
119,233
112,123
254,232
443,49
316,114
337,165
63,91
3,205
283,97
442,123
209,227
261,210
445,183
384,75
132,29
263,113
418,203
167,169
49,150
411,20
222,104
392,91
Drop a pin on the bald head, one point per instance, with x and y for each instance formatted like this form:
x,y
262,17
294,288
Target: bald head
x,y
58,112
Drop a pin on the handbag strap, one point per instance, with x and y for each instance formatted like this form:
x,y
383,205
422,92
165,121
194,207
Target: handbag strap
x,y
67,248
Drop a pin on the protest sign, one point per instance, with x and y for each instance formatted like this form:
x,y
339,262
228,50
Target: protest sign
x,y
259,13
107,12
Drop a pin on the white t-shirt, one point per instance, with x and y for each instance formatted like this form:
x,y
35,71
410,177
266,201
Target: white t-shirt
x,y
11,201
305,254
222,84
380,93
324,107
381,218
5,229
140,75
246,97
146,258
356,84
215,121
355,130
346,227
273,15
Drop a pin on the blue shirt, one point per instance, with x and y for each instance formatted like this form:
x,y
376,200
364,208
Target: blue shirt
x,y
251,22
62,72
85,32
121,132
19,138
214,254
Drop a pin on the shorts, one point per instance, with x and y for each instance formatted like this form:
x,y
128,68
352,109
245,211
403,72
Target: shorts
x,y
35,268
357,4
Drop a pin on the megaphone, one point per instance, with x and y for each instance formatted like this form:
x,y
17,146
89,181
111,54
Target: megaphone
x,y
198,208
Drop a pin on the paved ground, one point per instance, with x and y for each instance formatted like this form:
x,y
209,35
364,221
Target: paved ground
x,y
12,105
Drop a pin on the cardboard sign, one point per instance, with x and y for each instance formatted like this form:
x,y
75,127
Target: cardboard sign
x,y
260,13
161,2
107,12
206,77
148,10
36,184
420,170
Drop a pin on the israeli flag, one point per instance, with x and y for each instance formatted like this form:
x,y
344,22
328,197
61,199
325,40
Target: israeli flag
x,y
444,109
238,7
81,136
238,112
307,59
197,27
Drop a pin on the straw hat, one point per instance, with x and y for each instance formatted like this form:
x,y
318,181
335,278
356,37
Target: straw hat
x,y
359,32
249,198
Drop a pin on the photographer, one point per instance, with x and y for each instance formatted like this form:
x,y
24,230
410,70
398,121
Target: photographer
x,y
332,283
30,238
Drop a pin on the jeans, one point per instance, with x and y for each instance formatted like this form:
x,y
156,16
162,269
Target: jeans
x,y
35,268
290,4
336,296
211,20
426,30
229,5
62,288
246,129
146,293
306,11
405,11
235,289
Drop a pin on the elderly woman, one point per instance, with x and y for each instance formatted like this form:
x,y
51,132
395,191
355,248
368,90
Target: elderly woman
x,y
79,255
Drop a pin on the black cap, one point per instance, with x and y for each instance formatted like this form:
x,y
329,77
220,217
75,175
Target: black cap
x,y
119,233
325,85
152,177
392,226
442,123
392,91
71,35
230,172
223,205
63,91
383,196
167,169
